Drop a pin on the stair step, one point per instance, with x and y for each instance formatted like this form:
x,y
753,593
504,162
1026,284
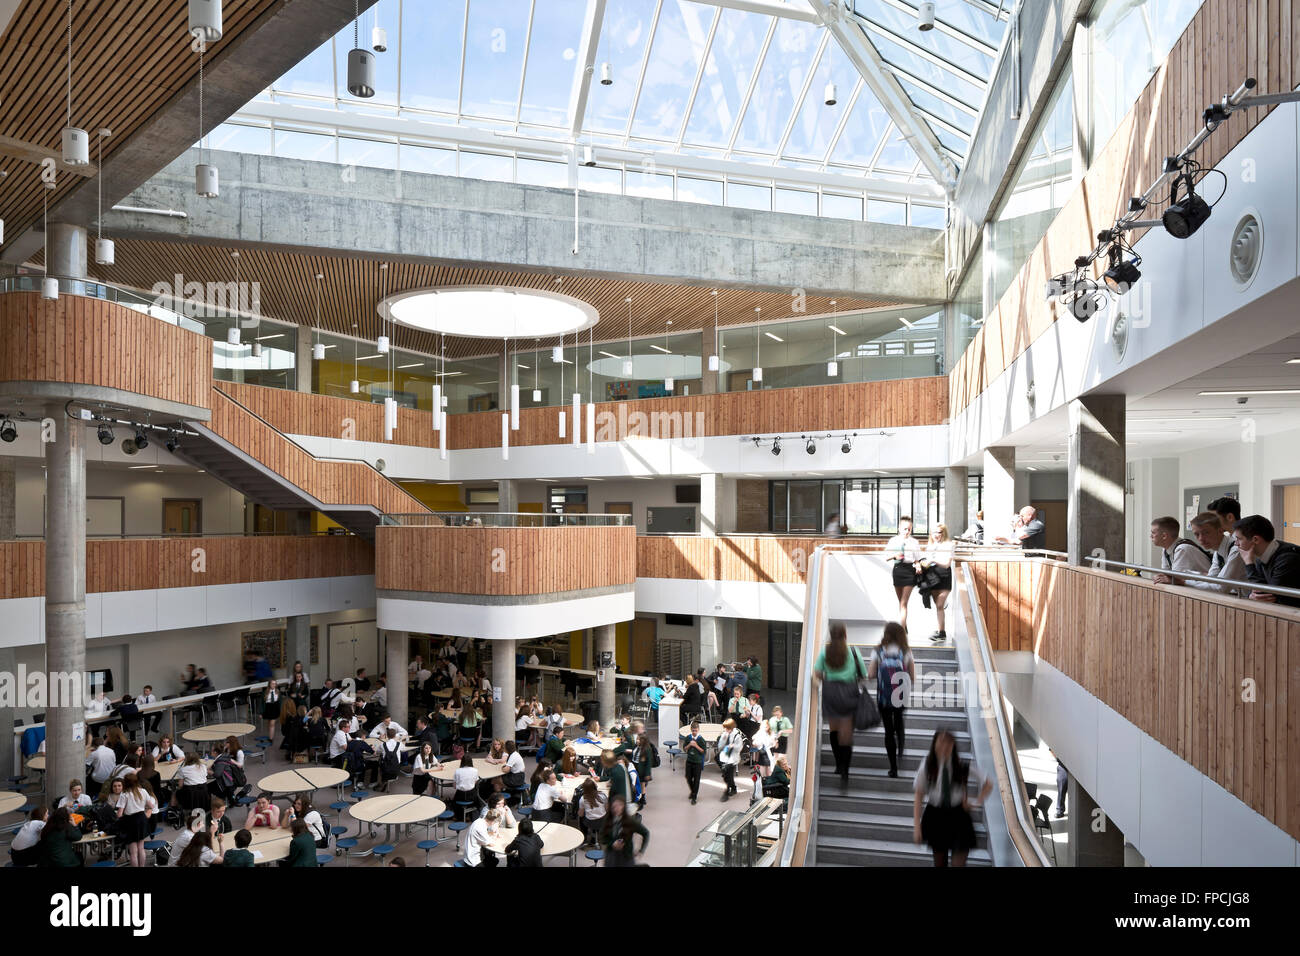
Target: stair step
x,y
875,756
875,826
889,803
873,780
851,851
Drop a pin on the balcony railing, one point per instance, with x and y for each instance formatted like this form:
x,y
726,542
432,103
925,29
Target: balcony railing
x,y
479,519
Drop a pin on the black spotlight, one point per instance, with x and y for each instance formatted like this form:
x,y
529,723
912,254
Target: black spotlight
x,y
776,446
811,447
847,446
105,433
1122,276
172,441
141,438
8,432
1184,216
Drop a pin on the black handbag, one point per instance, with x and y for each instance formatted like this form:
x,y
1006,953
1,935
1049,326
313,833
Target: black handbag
x,y
848,697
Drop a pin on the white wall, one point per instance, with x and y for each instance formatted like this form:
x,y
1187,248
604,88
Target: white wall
x,y
1252,465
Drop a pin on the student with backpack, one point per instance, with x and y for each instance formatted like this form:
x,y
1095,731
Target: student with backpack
x,y
390,759
840,671
227,776
646,757
729,745
894,671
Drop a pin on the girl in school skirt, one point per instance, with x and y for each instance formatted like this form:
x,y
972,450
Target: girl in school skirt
x,y
133,827
948,829
904,574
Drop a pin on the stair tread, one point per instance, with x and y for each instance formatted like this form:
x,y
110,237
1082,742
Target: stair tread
x,y
877,819
890,847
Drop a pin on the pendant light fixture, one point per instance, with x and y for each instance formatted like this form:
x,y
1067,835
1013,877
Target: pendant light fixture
x,y
378,35
831,99
505,436
205,20
560,350
714,361
833,366
382,343
591,395
76,143
318,350
3,174
104,251
255,307
206,180
668,379
758,341
537,371
437,381
627,364
354,386
232,333
390,417
49,284
512,371
361,62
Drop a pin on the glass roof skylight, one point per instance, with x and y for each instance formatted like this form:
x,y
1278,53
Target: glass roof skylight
x,y
704,88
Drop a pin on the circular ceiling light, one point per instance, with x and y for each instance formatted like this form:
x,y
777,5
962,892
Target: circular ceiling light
x,y
490,312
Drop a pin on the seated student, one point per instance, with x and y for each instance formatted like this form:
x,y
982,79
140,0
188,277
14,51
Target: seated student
x,y
199,851
338,745
465,780
389,765
536,780
99,705
591,810
25,848
554,746
302,848
316,729
497,802
202,683
262,813
240,855
497,752
234,751
76,797
525,733
424,734
193,793
166,750
57,837
545,799
478,836
777,783
594,733
513,778
426,762
301,809
100,766
526,848
220,817
362,682
354,761
386,723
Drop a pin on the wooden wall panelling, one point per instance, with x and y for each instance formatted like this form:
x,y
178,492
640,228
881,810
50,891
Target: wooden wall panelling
x,y
752,558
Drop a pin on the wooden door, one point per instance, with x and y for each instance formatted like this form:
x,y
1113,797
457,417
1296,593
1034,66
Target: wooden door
x,y
1055,517
1290,530
641,655
182,516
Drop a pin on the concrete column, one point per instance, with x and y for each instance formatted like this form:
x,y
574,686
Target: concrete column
x,y
8,499
708,380
303,360
1096,477
65,598
605,696
1094,837
8,665
955,500
999,491
507,495
67,254
297,646
710,642
717,505
503,683
396,660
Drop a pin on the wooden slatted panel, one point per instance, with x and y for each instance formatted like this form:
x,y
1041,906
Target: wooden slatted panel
x,y
766,559
353,286
128,61
1225,42
1214,679
857,406
330,482
503,561
91,342
22,569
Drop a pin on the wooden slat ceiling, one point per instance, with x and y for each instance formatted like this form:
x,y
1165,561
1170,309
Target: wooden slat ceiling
x,y
128,60
352,287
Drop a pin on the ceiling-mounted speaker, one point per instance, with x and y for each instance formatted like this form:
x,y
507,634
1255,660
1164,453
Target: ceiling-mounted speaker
x,y
105,252
205,20
76,147
206,181
361,73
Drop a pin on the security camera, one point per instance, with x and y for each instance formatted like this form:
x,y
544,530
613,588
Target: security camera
x,y
925,17
1242,399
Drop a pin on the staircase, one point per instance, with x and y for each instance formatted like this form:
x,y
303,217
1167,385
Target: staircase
x,y
869,821
252,456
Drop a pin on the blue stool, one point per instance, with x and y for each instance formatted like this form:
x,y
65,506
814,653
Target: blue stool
x,y
104,863
246,799
263,740
347,843
153,846
16,782
595,856
338,807
427,846
464,807
382,851
524,811
673,752
359,794
443,819
457,828
323,858
461,863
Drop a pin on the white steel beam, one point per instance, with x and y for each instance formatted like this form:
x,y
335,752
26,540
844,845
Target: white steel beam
x,y
586,65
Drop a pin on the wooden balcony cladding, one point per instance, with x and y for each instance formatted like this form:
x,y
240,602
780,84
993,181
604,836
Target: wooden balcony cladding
x,y
137,564
327,416
1227,41
1215,679
81,341
857,406
330,482
503,561
755,558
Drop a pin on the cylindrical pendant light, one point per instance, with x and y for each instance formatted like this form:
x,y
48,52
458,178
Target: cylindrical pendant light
x,y
207,183
318,351
257,350
105,252
714,362
50,288
76,143
758,341
591,428
49,284
505,436
437,404
205,20
577,421
668,379
354,387
442,433
833,366
232,334
361,62
627,363
381,345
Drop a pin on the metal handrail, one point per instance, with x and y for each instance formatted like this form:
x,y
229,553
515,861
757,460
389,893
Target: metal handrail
x,y
1246,584
503,519
1006,737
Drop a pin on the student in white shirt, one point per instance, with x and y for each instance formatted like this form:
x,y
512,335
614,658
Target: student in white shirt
x,y
387,724
941,807
465,780
24,849
1226,563
514,765
101,762
196,823
233,749
338,744
199,851
730,743
904,550
426,762
533,660
151,720
760,749
548,794
166,750
591,809
479,834
497,803
301,809
135,807
76,797
99,705
380,697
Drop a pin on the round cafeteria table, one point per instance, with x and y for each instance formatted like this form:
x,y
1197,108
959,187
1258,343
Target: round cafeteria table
x,y
572,720
215,732
9,802
397,810
269,845
167,771
444,694
36,762
301,780
593,750
569,784
709,732
557,839
486,771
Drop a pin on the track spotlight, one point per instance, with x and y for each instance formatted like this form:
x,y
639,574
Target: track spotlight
x,y
171,442
776,446
141,438
105,433
811,447
1082,294
1122,276
8,432
1184,216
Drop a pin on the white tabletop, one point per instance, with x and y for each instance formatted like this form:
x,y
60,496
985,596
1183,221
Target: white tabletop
x,y
9,802
571,783
593,750
214,732
557,838
392,809
168,770
709,732
271,842
302,779
486,771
